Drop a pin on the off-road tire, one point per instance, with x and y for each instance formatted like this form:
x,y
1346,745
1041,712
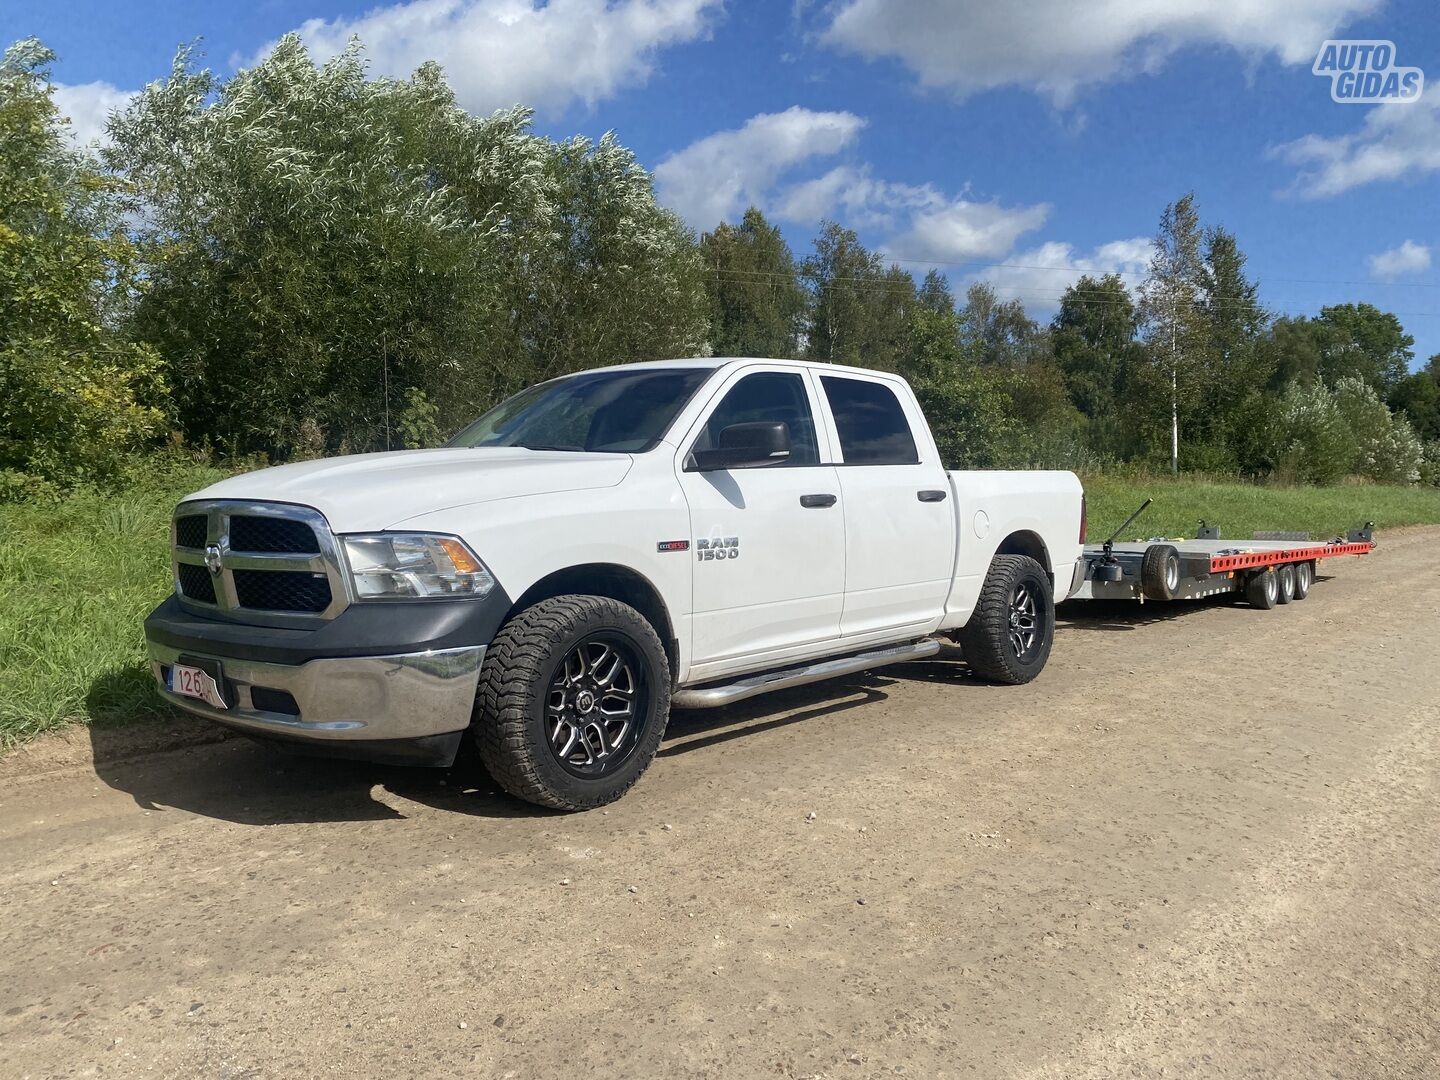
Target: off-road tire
x,y
1304,578
985,639
509,725
1285,576
1160,572
1263,590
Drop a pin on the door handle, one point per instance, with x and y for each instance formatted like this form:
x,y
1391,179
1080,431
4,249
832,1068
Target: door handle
x,y
817,502
930,496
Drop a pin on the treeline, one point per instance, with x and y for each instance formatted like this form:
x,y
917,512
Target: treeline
x,y
300,260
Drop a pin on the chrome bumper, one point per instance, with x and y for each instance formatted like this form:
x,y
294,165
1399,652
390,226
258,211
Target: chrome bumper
x,y
408,696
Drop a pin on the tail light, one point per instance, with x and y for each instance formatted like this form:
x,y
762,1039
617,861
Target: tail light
x,y
1082,517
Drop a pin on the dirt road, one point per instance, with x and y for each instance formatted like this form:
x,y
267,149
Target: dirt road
x,y
1204,843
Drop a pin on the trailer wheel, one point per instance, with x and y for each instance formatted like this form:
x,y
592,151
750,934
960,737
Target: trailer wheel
x,y
1007,639
573,700
1304,576
1263,589
1160,572
1285,580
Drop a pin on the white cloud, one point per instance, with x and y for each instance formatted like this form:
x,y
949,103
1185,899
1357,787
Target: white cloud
x,y
1396,142
717,177
1408,258
1039,277
923,224
958,230
498,53
88,105
1058,46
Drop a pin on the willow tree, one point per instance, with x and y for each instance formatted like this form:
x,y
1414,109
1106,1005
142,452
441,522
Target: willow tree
x,y
75,394
335,260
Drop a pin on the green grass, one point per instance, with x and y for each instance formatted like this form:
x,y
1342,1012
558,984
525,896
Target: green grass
x,y
77,578
1241,509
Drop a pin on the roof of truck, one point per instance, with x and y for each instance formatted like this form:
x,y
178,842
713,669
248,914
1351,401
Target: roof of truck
x,y
725,361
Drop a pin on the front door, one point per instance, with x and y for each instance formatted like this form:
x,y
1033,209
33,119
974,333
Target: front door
x,y
768,542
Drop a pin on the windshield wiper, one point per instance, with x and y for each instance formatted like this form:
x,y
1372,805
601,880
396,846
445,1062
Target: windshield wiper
x,y
542,446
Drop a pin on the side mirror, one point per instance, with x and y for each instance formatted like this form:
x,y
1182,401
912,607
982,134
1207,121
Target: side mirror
x,y
745,446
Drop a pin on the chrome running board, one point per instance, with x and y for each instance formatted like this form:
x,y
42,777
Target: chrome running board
x,y
709,697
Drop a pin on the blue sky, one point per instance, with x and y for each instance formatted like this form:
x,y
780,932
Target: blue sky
x,y
1017,142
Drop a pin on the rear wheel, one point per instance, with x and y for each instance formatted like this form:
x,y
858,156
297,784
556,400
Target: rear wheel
x,y
1008,638
1263,589
573,700
1304,578
1285,580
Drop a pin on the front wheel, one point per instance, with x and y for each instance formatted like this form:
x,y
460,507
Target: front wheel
x,y
573,700
1007,639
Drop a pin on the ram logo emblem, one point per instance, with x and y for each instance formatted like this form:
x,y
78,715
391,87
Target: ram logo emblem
x,y
719,547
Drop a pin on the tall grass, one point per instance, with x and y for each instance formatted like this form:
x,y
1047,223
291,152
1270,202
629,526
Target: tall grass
x,y
77,578
1241,509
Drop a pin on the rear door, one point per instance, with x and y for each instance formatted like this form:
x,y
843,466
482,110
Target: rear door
x,y
899,517
768,543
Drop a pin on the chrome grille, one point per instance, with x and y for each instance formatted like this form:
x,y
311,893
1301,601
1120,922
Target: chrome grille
x,y
265,563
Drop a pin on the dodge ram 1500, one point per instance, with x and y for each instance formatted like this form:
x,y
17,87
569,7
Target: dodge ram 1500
x,y
597,549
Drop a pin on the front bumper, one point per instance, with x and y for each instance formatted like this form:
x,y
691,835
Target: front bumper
x,y
336,702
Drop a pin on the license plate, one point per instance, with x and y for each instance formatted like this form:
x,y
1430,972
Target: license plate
x,y
193,682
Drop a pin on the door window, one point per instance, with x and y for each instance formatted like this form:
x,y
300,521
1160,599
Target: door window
x,y
767,395
870,422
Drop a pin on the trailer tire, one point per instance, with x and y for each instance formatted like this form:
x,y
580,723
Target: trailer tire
x,y
1263,589
1304,578
528,703
1160,572
1008,637
1285,582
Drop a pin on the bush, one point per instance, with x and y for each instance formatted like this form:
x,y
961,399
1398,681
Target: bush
x,y
1311,440
1387,448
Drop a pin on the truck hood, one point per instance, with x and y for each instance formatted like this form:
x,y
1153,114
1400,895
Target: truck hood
x,y
378,491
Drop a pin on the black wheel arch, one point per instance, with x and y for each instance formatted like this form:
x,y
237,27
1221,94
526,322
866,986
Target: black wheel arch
x,y
1027,542
611,580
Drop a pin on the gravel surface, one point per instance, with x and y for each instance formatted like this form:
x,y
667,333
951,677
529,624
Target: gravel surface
x,y
1203,843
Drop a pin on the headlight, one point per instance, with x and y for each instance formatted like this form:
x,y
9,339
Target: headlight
x,y
409,566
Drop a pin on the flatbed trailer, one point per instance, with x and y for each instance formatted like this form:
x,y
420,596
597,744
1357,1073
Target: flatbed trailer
x,y
1269,571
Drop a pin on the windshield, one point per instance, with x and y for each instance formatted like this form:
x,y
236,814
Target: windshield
x,y
610,412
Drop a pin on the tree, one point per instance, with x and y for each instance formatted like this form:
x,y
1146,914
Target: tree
x,y
1171,308
966,405
859,310
1418,397
75,395
319,245
999,332
756,303
1362,341
1093,336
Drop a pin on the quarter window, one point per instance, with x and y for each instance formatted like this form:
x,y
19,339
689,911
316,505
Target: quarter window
x,y
871,424
767,395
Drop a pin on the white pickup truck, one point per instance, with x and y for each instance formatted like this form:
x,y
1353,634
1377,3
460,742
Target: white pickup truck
x,y
596,550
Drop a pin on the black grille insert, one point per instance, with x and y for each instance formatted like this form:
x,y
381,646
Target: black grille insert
x,y
268,534
196,582
190,531
282,590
